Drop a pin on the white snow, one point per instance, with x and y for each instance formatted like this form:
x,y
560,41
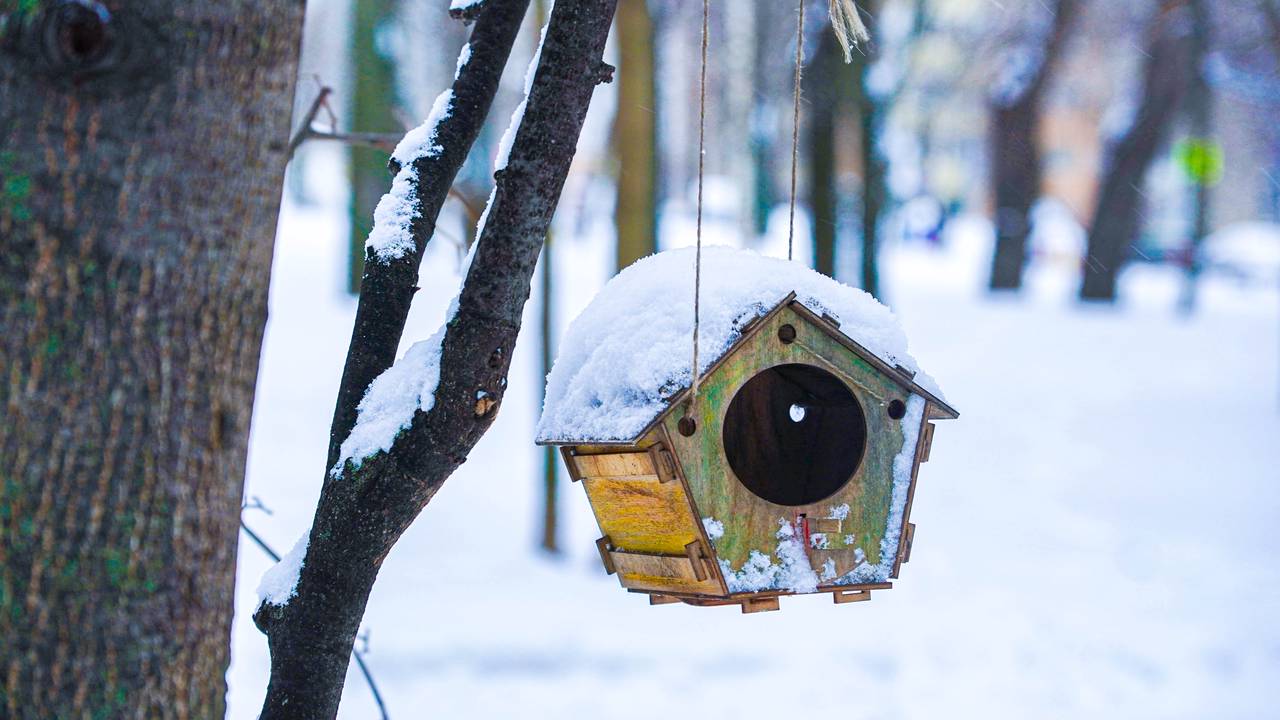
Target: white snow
x,y
1077,498
388,406
391,401
390,238
517,116
280,583
421,141
464,57
902,465
791,572
463,4
629,352
714,528
1249,251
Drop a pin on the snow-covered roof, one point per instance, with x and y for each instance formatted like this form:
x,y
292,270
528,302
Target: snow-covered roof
x,y
628,355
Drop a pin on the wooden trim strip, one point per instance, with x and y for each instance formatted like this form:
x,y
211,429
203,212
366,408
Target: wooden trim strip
x,y
569,463
699,528
603,545
696,557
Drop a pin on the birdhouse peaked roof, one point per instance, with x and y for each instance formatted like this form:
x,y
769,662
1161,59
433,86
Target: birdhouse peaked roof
x,y
625,361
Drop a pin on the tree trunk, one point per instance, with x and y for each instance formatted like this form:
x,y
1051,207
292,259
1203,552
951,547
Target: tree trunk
x,y
763,194
550,461
142,150
635,135
1200,111
364,509
875,169
1015,155
371,109
829,84
1117,216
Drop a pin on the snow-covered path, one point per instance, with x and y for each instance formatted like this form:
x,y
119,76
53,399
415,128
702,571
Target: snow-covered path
x,y
1097,533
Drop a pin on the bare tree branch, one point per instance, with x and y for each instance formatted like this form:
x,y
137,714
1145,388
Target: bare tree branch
x,y
387,289
1016,171
363,511
1117,217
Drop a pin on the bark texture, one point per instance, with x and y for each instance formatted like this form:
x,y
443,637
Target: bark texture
x,y
362,512
142,148
1016,172
1117,217
387,289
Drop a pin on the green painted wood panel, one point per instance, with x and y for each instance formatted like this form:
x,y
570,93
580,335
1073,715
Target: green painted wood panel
x,y
750,522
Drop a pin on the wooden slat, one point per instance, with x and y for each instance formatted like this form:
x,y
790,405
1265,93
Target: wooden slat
x,y
663,463
842,597
927,443
662,573
602,546
642,514
656,599
697,557
825,525
909,540
760,604
615,465
662,566
570,464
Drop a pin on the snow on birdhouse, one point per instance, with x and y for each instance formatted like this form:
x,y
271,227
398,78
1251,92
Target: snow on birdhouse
x,y
794,468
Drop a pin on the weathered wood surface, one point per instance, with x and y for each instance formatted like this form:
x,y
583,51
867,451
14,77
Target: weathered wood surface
x,y
752,523
142,151
636,464
641,514
663,573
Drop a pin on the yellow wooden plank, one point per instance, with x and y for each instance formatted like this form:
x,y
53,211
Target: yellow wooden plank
x,y
759,604
660,572
641,514
615,464
663,566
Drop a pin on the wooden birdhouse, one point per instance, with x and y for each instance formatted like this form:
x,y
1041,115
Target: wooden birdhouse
x,y
792,471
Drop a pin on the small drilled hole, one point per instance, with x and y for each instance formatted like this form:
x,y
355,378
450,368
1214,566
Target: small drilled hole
x,y
82,30
687,426
787,334
897,409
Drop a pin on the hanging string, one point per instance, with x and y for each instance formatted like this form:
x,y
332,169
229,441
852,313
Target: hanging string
x,y
848,26
795,131
702,152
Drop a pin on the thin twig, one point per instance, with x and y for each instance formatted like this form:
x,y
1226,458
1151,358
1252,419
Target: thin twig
x,y
380,141
304,129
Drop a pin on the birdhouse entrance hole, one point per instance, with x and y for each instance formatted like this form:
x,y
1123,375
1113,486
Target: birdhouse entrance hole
x,y
794,434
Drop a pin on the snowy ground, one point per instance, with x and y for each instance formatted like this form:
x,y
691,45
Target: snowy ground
x,y
1097,534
